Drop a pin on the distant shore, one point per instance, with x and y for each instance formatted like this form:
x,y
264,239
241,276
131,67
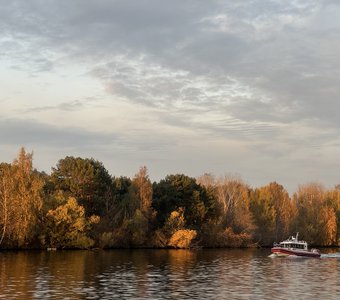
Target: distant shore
x,y
81,206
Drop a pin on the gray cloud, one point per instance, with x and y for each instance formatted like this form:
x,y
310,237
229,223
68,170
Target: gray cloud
x,y
33,133
264,73
30,132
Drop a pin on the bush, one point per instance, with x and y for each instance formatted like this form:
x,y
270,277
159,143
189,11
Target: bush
x,y
182,238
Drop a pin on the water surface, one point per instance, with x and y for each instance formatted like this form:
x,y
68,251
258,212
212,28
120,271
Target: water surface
x,y
167,274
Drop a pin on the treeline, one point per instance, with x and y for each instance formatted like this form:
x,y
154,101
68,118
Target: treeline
x,y
80,205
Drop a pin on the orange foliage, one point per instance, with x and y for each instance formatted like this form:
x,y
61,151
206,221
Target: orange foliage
x,y
182,238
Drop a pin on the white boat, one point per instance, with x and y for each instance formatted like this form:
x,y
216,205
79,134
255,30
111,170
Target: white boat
x,y
293,247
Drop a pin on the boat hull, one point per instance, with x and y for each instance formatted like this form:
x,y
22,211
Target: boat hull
x,y
278,251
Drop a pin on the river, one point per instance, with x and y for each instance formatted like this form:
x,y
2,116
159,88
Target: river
x,y
167,274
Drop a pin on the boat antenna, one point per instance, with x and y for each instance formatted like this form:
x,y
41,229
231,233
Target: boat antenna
x,y
297,234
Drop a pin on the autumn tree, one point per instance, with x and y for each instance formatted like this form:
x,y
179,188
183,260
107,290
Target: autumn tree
x,y
174,222
144,191
273,213
315,219
21,200
6,184
67,226
232,223
141,194
233,202
333,202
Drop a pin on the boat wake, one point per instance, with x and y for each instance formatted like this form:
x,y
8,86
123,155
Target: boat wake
x,y
288,257
331,255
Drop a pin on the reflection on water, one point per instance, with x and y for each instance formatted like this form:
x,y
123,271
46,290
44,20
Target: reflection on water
x,y
166,274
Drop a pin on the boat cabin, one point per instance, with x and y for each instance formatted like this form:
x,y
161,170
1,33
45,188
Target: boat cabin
x,y
299,245
293,243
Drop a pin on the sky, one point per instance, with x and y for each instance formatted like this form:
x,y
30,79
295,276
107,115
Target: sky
x,y
245,87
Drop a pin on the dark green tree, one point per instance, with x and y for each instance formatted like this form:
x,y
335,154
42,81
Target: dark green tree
x,y
123,206
180,191
87,180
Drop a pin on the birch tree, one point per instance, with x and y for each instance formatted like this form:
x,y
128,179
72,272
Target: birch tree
x,y
5,188
21,200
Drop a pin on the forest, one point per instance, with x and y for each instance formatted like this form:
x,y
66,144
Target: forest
x,y
81,206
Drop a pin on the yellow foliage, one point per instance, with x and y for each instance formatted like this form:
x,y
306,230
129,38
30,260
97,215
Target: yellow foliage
x,y
20,200
94,219
182,238
67,226
316,217
144,190
174,222
328,226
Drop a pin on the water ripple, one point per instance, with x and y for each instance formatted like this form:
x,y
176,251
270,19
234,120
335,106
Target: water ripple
x,y
167,274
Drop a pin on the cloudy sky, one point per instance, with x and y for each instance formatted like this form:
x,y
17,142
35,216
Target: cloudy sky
x,y
248,87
